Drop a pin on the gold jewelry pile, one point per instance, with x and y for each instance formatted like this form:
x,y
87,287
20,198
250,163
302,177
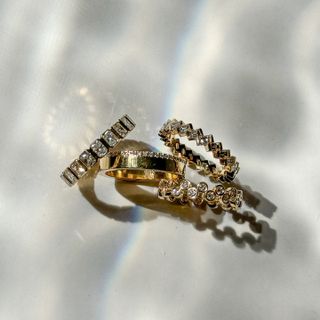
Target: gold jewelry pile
x,y
168,171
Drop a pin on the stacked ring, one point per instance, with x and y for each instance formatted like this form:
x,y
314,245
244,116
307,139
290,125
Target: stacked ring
x,y
183,191
143,166
98,149
228,168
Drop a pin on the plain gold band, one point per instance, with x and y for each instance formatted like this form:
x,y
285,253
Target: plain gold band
x,y
142,166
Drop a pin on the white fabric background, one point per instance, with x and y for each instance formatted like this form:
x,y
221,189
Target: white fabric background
x,y
246,71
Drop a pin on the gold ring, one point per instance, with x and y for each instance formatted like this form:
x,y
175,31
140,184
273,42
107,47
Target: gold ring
x,y
184,192
143,166
98,149
228,168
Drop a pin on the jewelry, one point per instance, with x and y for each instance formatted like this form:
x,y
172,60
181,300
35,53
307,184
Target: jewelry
x,y
98,149
143,166
229,167
183,191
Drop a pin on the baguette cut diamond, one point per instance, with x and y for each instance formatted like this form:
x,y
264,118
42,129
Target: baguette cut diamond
x,y
120,130
87,159
78,168
99,148
128,122
110,138
68,177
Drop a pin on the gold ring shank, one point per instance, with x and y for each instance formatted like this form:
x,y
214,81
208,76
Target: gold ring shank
x,y
142,166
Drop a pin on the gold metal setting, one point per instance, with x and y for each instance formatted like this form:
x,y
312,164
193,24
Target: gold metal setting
x,y
228,166
184,192
98,149
143,166
164,170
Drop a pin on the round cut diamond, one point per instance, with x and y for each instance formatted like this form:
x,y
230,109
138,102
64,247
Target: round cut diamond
x,y
219,190
210,196
192,193
184,184
202,187
175,192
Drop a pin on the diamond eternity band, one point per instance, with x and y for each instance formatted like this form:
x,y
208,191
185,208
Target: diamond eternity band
x,y
98,149
184,192
228,167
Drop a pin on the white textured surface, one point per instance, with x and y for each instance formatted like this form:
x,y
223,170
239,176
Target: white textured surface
x,y
247,71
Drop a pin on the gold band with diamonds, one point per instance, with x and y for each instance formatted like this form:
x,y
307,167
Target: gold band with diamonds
x,y
143,166
184,192
228,166
98,149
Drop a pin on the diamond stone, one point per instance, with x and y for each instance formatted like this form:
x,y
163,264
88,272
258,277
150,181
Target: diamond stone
x,y
68,177
110,138
175,192
219,190
120,130
205,167
199,162
99,148
175,124
204,140
230,161
78,168
192,193
225,198
210,196
184,129
185,184
202,187
128,122
224,153
192,135
216,147
238,203
87,159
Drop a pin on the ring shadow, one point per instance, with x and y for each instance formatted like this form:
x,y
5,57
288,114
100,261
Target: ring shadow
x,y
264,241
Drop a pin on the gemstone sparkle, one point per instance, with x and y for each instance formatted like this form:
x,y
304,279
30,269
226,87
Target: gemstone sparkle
x,y
78,168
87,159
99,148
119,129
110,138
